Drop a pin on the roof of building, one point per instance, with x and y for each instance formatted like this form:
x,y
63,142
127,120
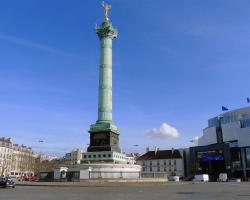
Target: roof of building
x,y
243,110
230,116
161,154
7,140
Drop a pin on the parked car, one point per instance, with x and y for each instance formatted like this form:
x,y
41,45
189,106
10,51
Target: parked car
x,y
188,178
7,182
174,178
237,180
223,177
201,178
29,178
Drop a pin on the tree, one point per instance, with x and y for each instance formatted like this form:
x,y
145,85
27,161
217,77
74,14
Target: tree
x,y
27,163
5,164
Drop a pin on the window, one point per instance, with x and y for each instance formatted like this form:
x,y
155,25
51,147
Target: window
x,y
99,155
89,156
94,156
104,155
158,169
151,169
235,158
150,163
169,162
213,122
85,156
245,122
165,169
247,151
109,155
174,162
165,162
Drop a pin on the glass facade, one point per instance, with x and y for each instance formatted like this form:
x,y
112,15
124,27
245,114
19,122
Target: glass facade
x,y
235,158
245,122
213,122
247,152
230,118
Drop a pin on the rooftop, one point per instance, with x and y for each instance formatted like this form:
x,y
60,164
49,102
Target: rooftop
x,y
161,154
241,114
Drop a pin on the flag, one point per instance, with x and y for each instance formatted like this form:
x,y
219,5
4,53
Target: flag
x,y
248,100
224,108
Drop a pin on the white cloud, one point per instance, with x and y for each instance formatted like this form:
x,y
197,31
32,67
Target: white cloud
x,y
164,132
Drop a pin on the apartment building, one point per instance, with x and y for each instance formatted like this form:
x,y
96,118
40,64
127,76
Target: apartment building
x,y
15,160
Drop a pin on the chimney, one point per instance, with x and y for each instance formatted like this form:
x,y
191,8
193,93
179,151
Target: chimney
x,y
147,149
156,149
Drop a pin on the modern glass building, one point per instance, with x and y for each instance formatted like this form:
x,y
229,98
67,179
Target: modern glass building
x,y
234,125
224,146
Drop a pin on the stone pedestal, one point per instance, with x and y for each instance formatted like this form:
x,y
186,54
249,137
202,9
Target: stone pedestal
x,y
103,137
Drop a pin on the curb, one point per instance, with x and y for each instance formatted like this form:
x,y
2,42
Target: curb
x,y
106,183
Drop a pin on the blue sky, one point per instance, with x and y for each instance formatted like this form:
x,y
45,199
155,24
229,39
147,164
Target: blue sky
x,y
175,62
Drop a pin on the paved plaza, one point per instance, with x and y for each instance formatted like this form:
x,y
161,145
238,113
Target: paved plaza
x,y
204,191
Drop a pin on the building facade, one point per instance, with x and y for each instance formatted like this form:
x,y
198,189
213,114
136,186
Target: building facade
x,y
224,146
15,160
6,153
74,157
235,127
108,157
168,162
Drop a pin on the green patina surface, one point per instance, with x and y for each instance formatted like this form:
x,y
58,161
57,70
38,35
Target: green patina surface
x,y
106,34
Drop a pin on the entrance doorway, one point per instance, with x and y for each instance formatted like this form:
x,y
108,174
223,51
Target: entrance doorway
x,y
211,163
213,168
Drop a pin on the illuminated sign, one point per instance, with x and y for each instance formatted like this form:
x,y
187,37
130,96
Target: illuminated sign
x,y
209,155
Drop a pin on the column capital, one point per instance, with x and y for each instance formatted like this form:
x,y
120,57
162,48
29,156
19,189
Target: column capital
x,y
106,30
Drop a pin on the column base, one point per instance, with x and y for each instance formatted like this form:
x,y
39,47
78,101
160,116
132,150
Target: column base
x,y
104,126
104,136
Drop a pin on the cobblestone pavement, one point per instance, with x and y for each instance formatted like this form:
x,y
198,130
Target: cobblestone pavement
x,y
201,191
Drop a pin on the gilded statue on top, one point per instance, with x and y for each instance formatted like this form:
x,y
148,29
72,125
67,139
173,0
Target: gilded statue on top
x,y
106,7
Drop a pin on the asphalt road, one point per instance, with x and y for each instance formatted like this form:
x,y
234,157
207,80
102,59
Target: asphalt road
x,y
202,191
